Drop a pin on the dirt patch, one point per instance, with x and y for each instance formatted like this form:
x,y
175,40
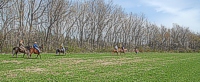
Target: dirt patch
x,y
12,61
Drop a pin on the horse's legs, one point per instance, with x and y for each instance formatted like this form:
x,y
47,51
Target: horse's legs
x,y
30,55
38,54
23,55
16,54
25,52
65,53
13,54
27,55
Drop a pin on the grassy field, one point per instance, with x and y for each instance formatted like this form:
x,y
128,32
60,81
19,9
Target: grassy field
x,y
181,67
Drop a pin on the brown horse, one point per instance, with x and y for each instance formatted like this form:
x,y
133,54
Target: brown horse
x,y
15,50
119,51
35,51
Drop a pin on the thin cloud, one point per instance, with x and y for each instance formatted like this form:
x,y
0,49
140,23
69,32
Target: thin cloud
x,y
166,12
169,6
182,12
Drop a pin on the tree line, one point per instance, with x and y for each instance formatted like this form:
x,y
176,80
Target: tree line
x,y
87,26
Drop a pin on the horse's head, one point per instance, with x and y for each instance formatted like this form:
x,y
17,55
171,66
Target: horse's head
x,y
66,48
28,47
41,47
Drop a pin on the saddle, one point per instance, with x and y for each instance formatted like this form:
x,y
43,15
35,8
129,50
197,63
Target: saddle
x,y
61,50
22,49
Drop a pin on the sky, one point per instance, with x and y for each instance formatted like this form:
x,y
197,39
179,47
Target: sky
x,y
185,13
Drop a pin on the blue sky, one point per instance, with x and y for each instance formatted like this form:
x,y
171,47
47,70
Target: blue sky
x,y
166,12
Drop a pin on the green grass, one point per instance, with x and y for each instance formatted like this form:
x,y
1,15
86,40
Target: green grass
x,y
181,67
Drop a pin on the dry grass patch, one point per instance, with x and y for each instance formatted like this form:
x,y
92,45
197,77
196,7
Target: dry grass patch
x,y
71,61
12,61
14,73
32,69
110,73
114,61
62,61
108,63
10,74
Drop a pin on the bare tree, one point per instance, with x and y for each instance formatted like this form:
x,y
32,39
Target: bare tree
x,y
3,3
6,17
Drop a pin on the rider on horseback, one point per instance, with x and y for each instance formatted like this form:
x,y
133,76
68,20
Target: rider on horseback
x,y
21,46
136,50
116,48
123,47
62,47
36,46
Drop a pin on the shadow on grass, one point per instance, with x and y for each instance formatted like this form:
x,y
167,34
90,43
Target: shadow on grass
x,y
60,55
16,57
115,54
32,58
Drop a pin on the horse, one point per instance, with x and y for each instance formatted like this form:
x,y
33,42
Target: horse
x,y
136,51
41,47
15,50
61,51
119,51
35,51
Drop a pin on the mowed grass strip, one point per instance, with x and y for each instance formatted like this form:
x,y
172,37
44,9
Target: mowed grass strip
x,y
102,67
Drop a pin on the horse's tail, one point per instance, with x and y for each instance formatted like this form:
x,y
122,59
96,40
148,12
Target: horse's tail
x,y
113,51
125,50
14,49
56,51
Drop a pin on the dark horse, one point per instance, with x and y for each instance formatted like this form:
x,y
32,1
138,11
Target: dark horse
x,y
119,51
15,50
33,50
61,51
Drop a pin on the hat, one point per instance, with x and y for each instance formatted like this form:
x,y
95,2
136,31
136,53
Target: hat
x,y
35,42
